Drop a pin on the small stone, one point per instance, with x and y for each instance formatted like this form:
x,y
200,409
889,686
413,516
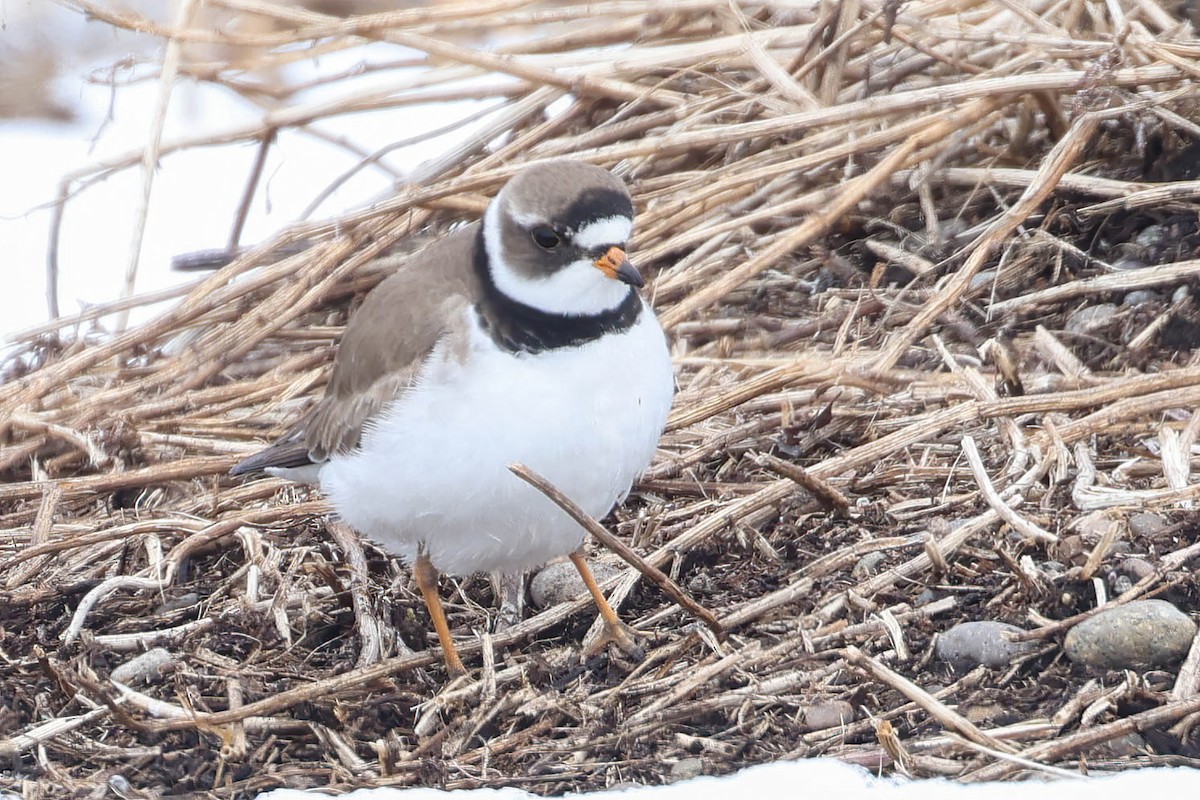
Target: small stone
x,y
686,768
1152,236
1070,550
1158,680
1146,524
1054,568
982,713
1139,296
969,644
149,667
121,787
940,526
832,714
1139,635
175,603
560,582
1137,568
1089,318
1092,526
868,565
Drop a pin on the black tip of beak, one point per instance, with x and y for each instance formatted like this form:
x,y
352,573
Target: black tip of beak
x,y
627,273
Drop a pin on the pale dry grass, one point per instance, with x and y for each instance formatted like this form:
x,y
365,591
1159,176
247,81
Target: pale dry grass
x,y
870,229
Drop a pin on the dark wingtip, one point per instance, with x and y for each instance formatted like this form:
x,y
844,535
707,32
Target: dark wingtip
x,y
241,468
203,260
285,454
255,463
208,260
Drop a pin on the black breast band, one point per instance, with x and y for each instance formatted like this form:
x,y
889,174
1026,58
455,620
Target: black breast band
x,y
519,328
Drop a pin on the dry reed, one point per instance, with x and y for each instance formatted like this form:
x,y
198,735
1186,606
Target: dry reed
x,y
927,270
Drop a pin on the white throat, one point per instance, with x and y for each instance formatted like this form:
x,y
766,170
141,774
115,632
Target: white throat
x,y
579,289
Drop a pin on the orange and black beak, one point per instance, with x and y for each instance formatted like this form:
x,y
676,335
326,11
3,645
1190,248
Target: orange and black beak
x,y
615,264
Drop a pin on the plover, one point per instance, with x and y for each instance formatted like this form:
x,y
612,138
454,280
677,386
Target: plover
x,y
518,339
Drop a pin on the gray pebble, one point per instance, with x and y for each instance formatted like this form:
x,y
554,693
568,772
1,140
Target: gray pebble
x,y
1146,524
968,644
1180,294
1092,526
149,667
868,565
560,582
1151,236
1159,680
831,714
1137,568
121,787
1138,635
1139,296
175,603
1089,318
1070,549
686,768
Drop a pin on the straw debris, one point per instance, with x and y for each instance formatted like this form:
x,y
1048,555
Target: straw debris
x,y
928,269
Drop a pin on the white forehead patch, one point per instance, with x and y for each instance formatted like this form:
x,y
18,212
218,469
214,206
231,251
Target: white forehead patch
x,y
608,230
525,220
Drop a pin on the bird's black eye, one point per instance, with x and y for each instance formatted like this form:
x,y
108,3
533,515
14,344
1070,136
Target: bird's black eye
x,y
546,237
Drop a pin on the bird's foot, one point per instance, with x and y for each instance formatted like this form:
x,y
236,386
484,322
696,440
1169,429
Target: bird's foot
x,y
619,635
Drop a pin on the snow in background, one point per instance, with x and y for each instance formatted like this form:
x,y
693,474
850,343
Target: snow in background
x,y
195,191
194,195
828,779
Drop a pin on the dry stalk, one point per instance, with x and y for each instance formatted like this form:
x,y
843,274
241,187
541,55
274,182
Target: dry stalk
x,y
845,211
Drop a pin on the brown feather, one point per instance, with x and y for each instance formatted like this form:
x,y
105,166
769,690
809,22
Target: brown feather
x,y
385,344
389,338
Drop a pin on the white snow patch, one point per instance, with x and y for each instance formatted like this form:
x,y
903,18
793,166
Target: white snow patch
x,y
829,779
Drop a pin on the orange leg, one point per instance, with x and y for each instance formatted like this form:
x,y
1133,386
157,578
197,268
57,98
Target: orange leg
x,y
427,581
615,631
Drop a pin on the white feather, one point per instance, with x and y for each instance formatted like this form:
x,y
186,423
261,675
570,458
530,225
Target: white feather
x,y
309,473
432,473
606,231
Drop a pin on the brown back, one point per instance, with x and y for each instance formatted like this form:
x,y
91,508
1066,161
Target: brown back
x,y
389,337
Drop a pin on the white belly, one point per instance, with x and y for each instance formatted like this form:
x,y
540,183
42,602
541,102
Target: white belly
x,y
433,473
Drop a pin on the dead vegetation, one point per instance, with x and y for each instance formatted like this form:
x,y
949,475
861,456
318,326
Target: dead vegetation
x,y
928,270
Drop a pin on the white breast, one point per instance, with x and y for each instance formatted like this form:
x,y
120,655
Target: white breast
x,y
433,472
